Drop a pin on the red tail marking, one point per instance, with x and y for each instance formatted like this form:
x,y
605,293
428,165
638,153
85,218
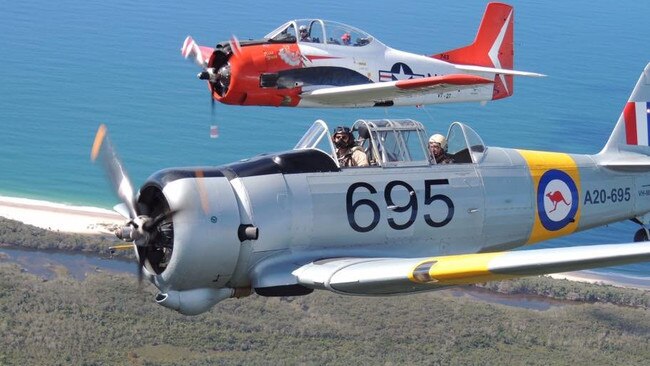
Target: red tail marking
x,y
629,114
492,47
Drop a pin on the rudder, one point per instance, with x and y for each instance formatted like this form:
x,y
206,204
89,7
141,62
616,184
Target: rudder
x,y
632,130
492,47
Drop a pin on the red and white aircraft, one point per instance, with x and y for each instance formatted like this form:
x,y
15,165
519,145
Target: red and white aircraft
x,y
318,63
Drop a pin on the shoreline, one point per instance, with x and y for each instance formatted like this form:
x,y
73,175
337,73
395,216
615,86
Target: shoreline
x,y
99,221
60,217
612,279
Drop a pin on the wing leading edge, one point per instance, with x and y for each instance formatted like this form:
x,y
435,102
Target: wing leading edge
x,y
378,92
390,276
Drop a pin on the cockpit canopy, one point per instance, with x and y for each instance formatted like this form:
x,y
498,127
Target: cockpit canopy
x,y
393,142
398,143
320,31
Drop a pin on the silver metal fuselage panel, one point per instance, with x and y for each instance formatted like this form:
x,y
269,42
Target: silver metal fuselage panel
x,y
347,213
507,199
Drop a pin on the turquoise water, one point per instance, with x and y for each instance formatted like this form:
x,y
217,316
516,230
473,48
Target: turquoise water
x,y
66,66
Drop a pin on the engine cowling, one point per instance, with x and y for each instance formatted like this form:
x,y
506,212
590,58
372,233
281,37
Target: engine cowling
x,y
197,264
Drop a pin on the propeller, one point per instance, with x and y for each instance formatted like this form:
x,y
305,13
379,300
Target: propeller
x,y
114,169
212,110
234,45
192,50
150,236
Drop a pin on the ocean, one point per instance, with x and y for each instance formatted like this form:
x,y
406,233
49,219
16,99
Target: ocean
x,y
66,66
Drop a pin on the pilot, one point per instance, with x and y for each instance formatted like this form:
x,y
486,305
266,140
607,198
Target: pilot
x,y
345,39
438,149
304,34
347,151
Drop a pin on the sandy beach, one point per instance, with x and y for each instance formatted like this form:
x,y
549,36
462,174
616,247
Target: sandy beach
x,y
59,217
609,279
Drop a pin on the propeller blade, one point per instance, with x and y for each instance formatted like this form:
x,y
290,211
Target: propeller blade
x,y
122,209
203,193
234,45
102,147
191,50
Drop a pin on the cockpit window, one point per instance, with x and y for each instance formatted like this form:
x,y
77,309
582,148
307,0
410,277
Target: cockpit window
x,y
464,144
316,137
386,143
344,35
413,146
285,33
313,31
320,31
393,142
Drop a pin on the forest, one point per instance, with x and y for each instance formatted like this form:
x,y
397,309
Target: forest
x,y
108,319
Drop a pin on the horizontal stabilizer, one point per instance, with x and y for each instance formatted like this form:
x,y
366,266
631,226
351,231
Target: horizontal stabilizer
x,y
625,161
386,276
498,71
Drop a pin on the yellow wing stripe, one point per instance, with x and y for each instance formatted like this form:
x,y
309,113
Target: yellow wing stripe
x,y
456,269
539,162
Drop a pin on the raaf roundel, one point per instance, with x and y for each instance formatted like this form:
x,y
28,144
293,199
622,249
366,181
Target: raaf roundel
x,y
319,63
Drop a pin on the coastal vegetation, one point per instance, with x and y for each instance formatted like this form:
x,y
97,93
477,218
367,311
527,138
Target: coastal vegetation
x,y
15,233
107,319
571,290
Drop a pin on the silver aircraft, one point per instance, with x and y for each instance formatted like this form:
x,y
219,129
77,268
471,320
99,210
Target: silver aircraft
x,y
288,223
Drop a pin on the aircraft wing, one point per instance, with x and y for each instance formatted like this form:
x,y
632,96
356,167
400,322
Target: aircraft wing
x,y
387,276
383,91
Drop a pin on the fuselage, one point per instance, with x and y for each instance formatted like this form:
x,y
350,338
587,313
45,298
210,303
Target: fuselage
x,y
326,64
276,74
305,206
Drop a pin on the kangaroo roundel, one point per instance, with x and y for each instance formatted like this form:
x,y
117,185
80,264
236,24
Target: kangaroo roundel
x,y
557,199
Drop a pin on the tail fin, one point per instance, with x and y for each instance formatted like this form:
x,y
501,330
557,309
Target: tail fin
x,y
632,131
492,47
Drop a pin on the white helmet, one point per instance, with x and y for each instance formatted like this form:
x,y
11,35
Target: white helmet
x,y
302,28
439,139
